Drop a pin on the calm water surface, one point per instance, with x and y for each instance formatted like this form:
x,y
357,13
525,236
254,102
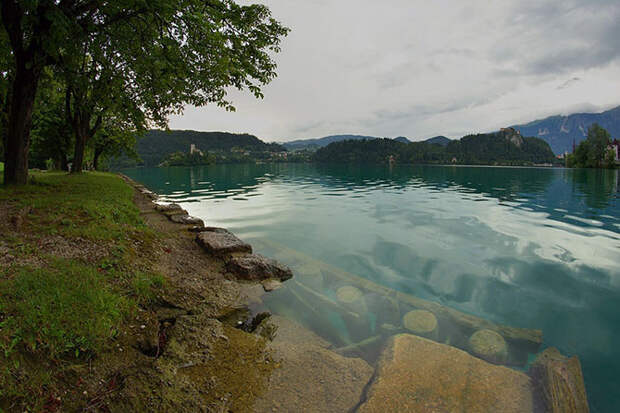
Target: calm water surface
x,y
532,248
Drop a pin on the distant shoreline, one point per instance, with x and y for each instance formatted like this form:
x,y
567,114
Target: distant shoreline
x,y
355,163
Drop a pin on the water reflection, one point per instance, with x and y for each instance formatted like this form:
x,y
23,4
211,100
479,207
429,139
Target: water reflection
x,y
531,248
551,190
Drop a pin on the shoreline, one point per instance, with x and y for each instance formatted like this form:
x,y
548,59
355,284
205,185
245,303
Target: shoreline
x,y
354,163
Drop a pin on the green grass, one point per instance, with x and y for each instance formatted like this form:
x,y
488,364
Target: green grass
x,y
66,308
92,205
57,311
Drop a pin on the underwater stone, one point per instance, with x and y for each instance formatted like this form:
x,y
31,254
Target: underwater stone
x,y
489,345
257,267
348,294
419,375
271,285
388,329
310,377
560,380
420,322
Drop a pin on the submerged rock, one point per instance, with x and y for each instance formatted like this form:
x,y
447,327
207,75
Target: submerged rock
x,y
421,322
310,377
561,382
271,285
222,243
348,294
257,267
419,375
489,345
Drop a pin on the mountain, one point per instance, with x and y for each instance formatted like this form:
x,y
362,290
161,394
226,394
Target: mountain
x,y
313,144
402,139
560,131
439,140
156,145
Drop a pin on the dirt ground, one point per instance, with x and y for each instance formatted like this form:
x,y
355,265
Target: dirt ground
x,y
187,359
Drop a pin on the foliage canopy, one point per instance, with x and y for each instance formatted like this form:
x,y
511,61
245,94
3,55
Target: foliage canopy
x,y
593,152
136,60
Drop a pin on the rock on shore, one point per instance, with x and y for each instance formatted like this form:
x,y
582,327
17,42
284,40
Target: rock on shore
x,y
257,267
419,375
222,243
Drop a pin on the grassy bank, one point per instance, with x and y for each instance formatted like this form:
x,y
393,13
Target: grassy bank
x,y
74,268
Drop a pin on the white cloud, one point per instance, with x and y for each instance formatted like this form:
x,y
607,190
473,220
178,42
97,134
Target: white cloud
x,y
419,68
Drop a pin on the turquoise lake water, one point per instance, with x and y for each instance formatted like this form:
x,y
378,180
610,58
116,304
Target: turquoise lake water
x,y
524,247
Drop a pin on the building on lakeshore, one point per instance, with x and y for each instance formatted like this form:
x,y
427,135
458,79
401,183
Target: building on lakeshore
x,y
615,146
193,150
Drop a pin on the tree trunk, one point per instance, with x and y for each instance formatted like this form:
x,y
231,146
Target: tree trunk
x,y
17,141
83,132
98,152
78,155
64,163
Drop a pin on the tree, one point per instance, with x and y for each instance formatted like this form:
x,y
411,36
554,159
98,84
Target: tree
x,y
113,140
591,153
610,159
31,34
6,76
599,139
51,134
158,55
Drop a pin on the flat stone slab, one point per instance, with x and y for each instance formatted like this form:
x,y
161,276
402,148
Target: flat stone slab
x,y
150,194
217,229
198,228
257,267
309,376
186,220
222,243
415,374
171,210
168,207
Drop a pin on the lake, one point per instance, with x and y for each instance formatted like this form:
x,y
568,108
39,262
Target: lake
x,y
526,247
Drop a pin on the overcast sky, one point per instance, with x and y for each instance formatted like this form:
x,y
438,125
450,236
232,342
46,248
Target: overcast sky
x,y
425,68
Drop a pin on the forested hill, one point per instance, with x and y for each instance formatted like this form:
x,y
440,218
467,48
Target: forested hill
x,y
440,140
561,131
506,147
312,144
156,145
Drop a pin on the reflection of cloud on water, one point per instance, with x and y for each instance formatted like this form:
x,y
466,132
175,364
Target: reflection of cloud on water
x,y
574,307
590,246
